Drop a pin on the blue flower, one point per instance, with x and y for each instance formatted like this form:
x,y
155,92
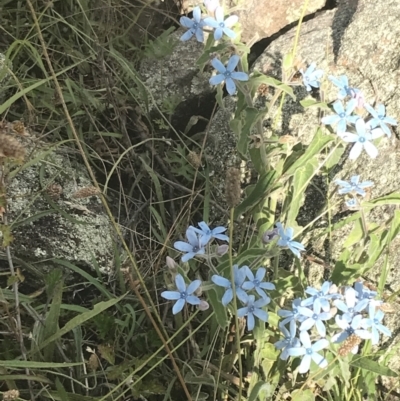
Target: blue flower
x,y
183,294
351,203
257,282
314,318
343,84
222,26
289,341
311,77
206,233
239,276
343,117
292,316
253,308
310,352
350,326
195,26
286,240
227,74
364,292
362,139
320,298
380,119
353,186
374,323
352,305
193,248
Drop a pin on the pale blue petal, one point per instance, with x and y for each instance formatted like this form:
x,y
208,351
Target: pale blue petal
x,y
180,283
193,286
307,324
261,314
297,351
371,110
227,297
386,130
242,312
248,285
183,246
186,36
390,120
240,76
178,306
171,295
186,22
193,300
341,127
217,79
197,14
319,360
209,21
250,322
233,62
200,35
230,86
383,329
218,33
267,286
330,120
221,281
340,337
320,328
261,302
243,297
305,364
216,63
381,110
228,32
221,237
338,107
188,256
231,20
219,14
192,237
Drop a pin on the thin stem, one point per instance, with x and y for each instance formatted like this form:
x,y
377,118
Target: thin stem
x,y
235,304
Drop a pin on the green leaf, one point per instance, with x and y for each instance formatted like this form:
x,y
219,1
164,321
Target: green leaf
x,y
256,390
356,234
301,179
391,199
37,365
318,143
303,395
368,364
220,310
314,103
257,79
257,195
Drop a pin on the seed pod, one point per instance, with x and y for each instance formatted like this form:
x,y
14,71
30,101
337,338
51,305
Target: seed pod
x,y
232,187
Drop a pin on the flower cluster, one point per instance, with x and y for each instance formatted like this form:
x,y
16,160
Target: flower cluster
x,y
252,307
363,132
221,27
354,188
359,318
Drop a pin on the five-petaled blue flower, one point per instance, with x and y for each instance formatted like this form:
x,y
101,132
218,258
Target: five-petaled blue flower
x,y
193,248
195,26
350,326
379,118
354,186
206,233
310,352
343,84
221,26
352,305
257,282
320,297
374,323
183,294
343,117
239,275
362,140
314,318
228,74
286,240
292,316
311,77
253,308
289,341
351,203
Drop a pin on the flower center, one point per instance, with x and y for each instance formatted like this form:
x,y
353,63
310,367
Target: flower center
x,y
350,331
361,139
256,282
381,117
376,321
195,25
309,351
196,248
251,309
227,74
315,316
342,115
183,295
222,24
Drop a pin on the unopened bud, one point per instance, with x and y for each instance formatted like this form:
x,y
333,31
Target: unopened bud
x,y
171,264
269,236
203,305
222,249
211,5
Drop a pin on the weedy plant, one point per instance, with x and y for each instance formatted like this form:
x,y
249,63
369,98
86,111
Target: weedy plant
x,y
235,320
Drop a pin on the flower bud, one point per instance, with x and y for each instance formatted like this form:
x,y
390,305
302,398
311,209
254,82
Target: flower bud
x,y
203,305
269,236
222,249
211,5
171,264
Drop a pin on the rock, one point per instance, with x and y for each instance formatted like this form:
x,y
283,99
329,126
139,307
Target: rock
x,y
261,19
49,217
